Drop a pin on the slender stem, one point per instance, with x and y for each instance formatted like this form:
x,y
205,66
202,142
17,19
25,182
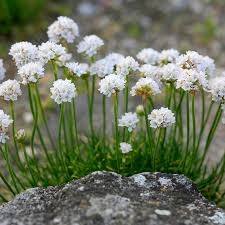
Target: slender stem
x,y
14,136
193,121
92,104
115,103
104,118
44,117
55,69
61,117
188,128
211,134
126,92
75,126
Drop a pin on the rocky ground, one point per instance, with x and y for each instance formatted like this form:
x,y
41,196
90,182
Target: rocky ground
x,y
108,199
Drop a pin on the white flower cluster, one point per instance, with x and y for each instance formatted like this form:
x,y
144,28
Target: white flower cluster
x,y
77,69
129,120
5,122
148,56
23,53
50,51
110,84
168,56
31,72
63,59
63,91
10,90
162,117
63,28
145,87
107,65
150,71
127,65
2,70
217,88
193,60
192,80
125,147
90,45
170,72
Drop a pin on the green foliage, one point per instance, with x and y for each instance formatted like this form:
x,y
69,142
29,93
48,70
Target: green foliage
x,y
18,12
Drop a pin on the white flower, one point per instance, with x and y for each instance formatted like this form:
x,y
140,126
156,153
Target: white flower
x,y
20,135
63,59
110,84
77,68
10,90
191,80
63,91
168,56
149,56
171,72
31,72
63,28
5,122
114,58
23,53
107,65
193,60
90,45
2,70
217,88
50,51
162,117
129,120
153,72
125,147
127,65
145,87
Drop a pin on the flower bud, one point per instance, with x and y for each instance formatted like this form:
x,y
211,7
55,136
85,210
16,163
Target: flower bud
x,y
20,135
140,110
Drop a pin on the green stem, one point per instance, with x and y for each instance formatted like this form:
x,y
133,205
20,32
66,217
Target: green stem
x,y
92,104
55,69
115,103
193,121
104,118
44,117
75,126
14,136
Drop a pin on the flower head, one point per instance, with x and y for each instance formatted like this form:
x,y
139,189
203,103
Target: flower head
x,y
77,69
149,56
23,53
191,80
170,72
107,65
195,61
125,147
110,84
140,110
126,65
63,91
150,71
90,45
31,72
63,28
168,56
2,70
145,87
162,117
217,88
5,122
10,90
20,135
129,120
63,59
50,51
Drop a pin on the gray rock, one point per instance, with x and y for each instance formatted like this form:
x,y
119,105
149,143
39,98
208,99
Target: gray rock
x,y
108,198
